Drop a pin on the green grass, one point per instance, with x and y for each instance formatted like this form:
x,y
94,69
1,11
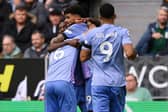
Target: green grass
x,y
27,106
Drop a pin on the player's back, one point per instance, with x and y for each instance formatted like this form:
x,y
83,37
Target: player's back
x,y
62,64
107,55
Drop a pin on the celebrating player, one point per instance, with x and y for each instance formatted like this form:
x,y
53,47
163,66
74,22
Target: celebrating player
x,y
59,91
105,45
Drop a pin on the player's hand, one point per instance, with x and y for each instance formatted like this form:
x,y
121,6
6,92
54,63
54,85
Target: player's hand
x,y
53,40
157,35
72,42
50,46
81,20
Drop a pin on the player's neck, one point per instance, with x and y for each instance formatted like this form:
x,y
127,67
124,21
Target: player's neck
x,y
107,21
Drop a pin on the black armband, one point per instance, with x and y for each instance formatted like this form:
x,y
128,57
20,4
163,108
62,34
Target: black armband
x,y
64,35
85,45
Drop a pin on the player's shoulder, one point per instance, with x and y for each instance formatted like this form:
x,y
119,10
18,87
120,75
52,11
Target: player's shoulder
x,y
76,29
78,25
93,31
72,27
66,49
122,30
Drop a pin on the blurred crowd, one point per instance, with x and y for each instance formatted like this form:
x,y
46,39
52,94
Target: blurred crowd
x,y
27,26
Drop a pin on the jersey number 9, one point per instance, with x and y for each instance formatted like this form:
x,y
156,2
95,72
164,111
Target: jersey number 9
x,y
106,48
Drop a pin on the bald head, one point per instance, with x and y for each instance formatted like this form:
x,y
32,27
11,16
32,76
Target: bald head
x,y
8,44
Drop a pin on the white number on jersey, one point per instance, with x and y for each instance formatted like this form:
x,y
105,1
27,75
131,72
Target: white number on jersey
x,y
108,52
59,53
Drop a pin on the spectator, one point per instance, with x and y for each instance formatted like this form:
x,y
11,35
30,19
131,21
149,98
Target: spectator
x,y
155,39
22,27
63,4
52,27
42,94
41,1
14,3
48,3
36,8
39,48
85,5
9,48
135,93
5,10
165,3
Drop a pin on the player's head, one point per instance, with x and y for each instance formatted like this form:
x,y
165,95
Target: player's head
x,y
131,82
73,13
107,12
92,23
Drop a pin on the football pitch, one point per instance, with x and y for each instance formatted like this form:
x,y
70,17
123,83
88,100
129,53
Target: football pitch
x,y
23,106
38,106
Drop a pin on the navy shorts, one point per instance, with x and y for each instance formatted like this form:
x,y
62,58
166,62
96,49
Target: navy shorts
x,y
60,97
108,99
80,97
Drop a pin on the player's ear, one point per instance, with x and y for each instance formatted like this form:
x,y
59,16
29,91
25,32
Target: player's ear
x,y
100,18
114,16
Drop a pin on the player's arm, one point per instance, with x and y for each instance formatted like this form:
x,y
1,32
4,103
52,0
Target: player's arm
x,y
56,45
128,46
129,51
69,33
56,42
57,39
85,55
